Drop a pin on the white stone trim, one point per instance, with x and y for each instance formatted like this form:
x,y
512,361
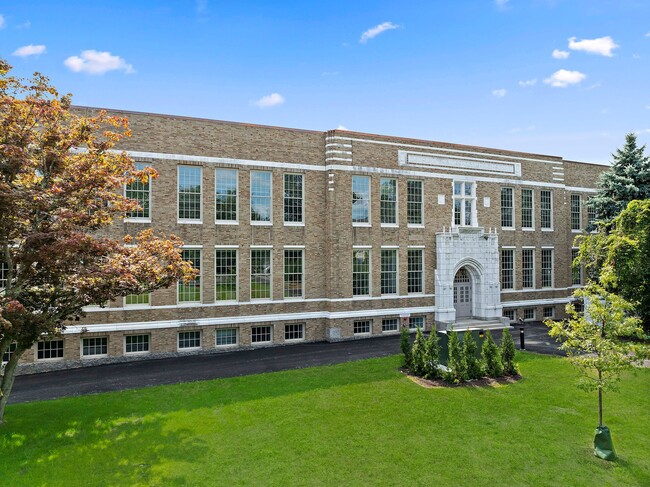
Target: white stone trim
x,y
456,163
226,246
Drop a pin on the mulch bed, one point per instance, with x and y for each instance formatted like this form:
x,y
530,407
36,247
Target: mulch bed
x,y
484,382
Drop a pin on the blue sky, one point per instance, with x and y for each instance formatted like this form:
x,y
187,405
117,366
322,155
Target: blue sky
x,y
559,77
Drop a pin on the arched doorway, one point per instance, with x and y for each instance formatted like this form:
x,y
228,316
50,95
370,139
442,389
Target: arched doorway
x,y
463,293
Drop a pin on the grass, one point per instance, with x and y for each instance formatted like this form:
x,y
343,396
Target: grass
x,y
360,423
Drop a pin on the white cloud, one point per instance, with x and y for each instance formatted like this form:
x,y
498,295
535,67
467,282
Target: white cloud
x,y
30,50
3,23
603,45
528,82
500,93
558,54
648,107
563,78
341,127
648,34
272,100
501,3
24,25
96,62
375,31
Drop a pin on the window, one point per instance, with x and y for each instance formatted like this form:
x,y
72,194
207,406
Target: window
x,y
546,210
576,212
509,313
362,327
94,347
529,313
261,274
360,272
360,199
390,324
464,204
4,274
415,271
261,208
591,217
507,268
189,193
548,312
191,292
137,300
416,322
225,271
576,268
528,268
9,352
189,340
293,271
527,208
225,337
261,334
507,219
136,343
414,202
388,201
226,196
140,192
388,271
294,332
293,199
547,267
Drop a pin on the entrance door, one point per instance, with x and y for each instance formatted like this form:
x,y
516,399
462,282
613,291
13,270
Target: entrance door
x,y
463,294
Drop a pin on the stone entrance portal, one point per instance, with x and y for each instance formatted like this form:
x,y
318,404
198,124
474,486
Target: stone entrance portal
x,y
463,294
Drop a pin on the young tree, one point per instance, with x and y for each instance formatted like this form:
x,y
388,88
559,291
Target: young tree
x,y
61,186
598,344
491,357
419,354
433,354
627,179
405,346
508,353
457,363
474,369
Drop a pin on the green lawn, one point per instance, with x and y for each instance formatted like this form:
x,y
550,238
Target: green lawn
x,y
360,423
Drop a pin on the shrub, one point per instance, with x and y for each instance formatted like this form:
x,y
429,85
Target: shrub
x,y
433,355
491,357
405,346
457,363
474,368
419,357
508,353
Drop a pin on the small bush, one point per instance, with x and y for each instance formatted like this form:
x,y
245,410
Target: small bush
x,y
474,366
405,346
433,355
457,363
508,353
419,357
491,357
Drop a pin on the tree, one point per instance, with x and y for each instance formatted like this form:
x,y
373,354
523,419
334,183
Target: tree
x,y
491,357
433,355
457,363
405,346
598,344
474,369
619,259
508,353
61,186
627,179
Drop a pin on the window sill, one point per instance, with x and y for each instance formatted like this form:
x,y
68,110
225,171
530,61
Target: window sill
x,y
270,342
294,340
415,225
137,353
137,220
230,345
294,224
547,230
188,349
509,229
261,224
57,359
137,306
574,230
261,300
359,224
226,222
93,357
301,298
181,221
226,301
527,229
390,225
188,304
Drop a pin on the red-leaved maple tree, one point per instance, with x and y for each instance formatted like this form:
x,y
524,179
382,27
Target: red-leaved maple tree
x,y
61,186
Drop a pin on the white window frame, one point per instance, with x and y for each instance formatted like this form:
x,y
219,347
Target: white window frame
x,y
418,203
236,220
139,219
512,208
250,271
300,249
422,271
390,331
394,202
270,197
463,198
579,212
52,359
188,221
199,277
369,251
511,251
234,248
300,223
531,209
552,267
138,305
541,220
362,333
226,345
552,315
533,318
93,356
532,270
188,349
413,318
395,251
362,223
266,342
510,314
139,352
292,340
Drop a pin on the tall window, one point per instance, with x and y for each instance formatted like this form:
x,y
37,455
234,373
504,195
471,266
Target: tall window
x,y
189,193
293,273
4,274
388,271
528,268
464,204
226,195
261,208
360,272
576,212
140,192
388,201
547,267
360,199
414,202
546,210
415,271
527,208
225,270
591,217
293,198
576,268
191,292
261,274
49,350
507,268
507,219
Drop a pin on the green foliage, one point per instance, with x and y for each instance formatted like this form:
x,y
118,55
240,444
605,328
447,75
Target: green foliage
x,y
405,346
474,366
420,355
491,357
457,364
508,353
433,353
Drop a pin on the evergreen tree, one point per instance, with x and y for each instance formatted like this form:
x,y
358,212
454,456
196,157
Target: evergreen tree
x,y
627,179
405,346
474,369
508,353
433,354
419,357
492,357
457,363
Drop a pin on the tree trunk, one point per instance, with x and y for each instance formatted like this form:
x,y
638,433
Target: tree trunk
x,y
600,400
7,381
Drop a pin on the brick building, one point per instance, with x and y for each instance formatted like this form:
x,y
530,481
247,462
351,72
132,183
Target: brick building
x,y
306,236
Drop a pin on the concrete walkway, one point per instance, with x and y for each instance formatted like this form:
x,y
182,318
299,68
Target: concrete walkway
x,y
130,375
